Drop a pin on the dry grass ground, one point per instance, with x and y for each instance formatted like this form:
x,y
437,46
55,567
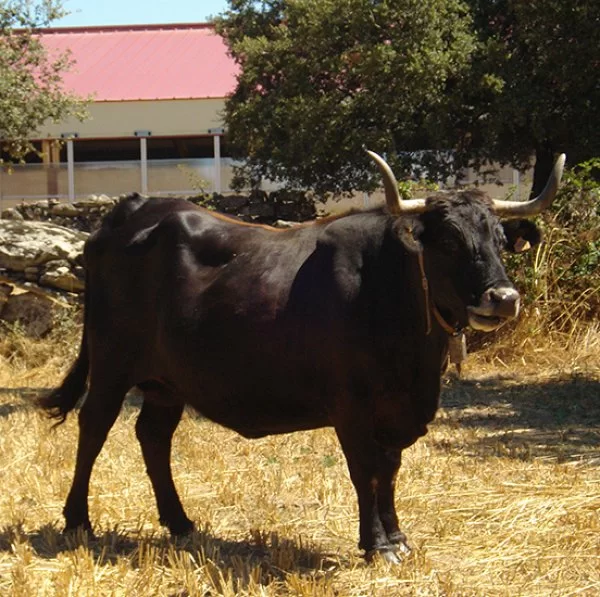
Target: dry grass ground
x,y
501,498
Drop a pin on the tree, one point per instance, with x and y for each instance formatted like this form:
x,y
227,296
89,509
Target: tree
x,y
544,59
321,79
480,80
31,90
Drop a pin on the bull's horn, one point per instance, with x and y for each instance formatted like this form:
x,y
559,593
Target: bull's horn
x,y
395,204
518,209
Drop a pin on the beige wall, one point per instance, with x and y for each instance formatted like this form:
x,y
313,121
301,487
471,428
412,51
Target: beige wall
x,y
121,119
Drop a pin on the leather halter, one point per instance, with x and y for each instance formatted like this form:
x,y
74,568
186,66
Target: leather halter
x,y
429,307
452,331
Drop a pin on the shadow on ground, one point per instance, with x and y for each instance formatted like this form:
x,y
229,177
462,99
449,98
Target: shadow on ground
x,y
272,555
19,399
524,418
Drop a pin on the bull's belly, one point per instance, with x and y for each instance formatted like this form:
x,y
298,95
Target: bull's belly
x,y
255,392
258,411
264,427
254,419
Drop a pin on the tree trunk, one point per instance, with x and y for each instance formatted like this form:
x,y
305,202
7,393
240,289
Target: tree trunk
x,y
544,161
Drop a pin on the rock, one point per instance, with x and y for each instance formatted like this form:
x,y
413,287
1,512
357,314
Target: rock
x,y
5,292
64,209
294,205
58,274
26,244
32,312
258,196
12,214
230,203
94,201
32,273
261,207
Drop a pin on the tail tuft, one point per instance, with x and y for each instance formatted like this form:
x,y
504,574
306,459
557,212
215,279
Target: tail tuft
x,y
61,401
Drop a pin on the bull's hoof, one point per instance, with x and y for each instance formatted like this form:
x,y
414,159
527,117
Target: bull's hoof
x,y
180,528
398,538
403,547
80,534
73,525
390,555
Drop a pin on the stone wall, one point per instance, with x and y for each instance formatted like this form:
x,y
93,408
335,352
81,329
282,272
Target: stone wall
x,y
86,214
41,246
40,241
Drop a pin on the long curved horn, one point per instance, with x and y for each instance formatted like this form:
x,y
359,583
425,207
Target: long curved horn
x,y
518,209
395,204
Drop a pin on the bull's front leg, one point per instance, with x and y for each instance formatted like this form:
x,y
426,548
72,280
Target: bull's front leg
x,y
389,460
361,453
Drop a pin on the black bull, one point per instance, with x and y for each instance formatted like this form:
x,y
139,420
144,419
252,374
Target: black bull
x,y
270,331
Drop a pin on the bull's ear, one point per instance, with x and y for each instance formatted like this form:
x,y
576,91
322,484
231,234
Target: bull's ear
x,y
408,230
521,235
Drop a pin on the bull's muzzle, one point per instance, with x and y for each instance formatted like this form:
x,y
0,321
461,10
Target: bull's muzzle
x,y
496,307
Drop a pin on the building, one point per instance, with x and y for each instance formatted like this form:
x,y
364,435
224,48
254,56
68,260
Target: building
x,y
155,123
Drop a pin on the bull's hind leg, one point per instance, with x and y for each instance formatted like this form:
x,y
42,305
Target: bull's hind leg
x,y
96,417
154,429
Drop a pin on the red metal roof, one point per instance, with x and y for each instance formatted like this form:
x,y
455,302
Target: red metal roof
x,y
145,62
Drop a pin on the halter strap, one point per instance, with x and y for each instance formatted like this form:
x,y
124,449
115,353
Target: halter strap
x,y
429,307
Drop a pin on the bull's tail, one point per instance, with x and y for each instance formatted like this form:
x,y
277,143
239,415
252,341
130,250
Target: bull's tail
x,y
61,401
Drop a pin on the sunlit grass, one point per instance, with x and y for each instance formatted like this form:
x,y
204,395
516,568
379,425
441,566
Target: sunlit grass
x,y
502,497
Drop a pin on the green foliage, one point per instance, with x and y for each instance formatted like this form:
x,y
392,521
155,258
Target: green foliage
x,y
540,60
321,79
561,276
480,80
413,188
31,90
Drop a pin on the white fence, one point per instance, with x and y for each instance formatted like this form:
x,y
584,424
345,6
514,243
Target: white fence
x,y
32,182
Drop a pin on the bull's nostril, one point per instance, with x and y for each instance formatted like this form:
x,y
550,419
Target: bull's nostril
x,y
504,295
504,301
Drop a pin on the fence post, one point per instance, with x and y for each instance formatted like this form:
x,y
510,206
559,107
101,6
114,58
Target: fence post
x,y
144,164
71,170
217,154
516,181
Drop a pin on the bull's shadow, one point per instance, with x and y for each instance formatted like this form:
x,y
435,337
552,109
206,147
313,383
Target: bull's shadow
x,y
21,399
557,419
276,556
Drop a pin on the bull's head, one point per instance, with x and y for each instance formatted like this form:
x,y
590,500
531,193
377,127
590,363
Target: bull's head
x,y
461,237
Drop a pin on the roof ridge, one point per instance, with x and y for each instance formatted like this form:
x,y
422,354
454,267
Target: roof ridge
x,y
133,27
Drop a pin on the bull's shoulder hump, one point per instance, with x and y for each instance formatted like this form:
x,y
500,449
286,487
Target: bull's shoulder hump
x,y
133,220
353,231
